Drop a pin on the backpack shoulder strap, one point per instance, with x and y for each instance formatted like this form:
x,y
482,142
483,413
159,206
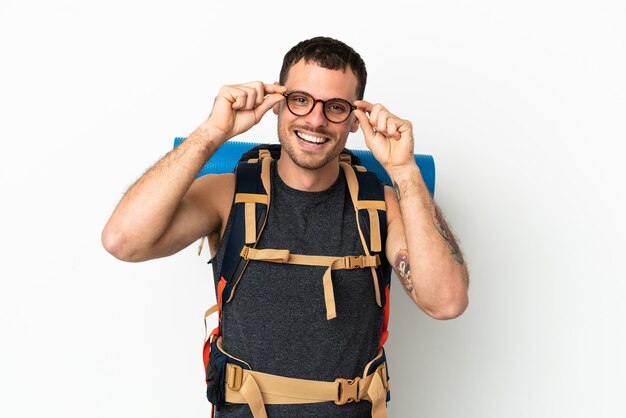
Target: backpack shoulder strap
x,y
368,197
367,193
249,213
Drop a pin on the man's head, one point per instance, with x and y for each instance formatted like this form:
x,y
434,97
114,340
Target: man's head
x,y
322,69
327,53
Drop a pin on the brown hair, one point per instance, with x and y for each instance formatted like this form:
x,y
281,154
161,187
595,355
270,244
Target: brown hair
x,y
327,53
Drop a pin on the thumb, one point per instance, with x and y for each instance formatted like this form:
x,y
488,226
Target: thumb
x,y
268,102
364,122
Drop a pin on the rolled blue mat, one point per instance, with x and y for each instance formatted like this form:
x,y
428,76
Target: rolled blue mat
x,y
226,157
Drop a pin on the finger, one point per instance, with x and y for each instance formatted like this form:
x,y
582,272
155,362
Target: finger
x,y
364,123
228,93
392,129
255,94
381,122
240,101
364,105
237,96
224,101
250,97
259,92
376,116
274,88
268,102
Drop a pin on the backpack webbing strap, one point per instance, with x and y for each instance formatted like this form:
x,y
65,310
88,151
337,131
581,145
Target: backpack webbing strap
x,y
259,389
372,209
332,263
250,200
372,206
249,214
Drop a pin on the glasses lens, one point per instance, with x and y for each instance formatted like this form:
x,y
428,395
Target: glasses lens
x,y
337,110
299,103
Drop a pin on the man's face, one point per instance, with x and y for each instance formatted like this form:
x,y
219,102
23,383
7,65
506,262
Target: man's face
x,y
312,141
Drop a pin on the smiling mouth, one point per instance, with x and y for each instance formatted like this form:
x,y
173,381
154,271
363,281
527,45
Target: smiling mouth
x,y
311,139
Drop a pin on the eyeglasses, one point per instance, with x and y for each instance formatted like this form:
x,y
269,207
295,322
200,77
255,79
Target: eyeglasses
x,y
335,110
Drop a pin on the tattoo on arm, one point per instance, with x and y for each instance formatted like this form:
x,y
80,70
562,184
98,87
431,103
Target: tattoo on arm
x,y
444,231
403,269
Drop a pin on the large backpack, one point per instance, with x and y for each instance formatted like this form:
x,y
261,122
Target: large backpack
x,y
249,213
231,379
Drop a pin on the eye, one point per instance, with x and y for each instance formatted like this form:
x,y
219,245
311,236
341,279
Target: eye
x,y
337,106
299,99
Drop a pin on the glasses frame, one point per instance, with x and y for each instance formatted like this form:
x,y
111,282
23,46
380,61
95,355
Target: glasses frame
x,y
323,102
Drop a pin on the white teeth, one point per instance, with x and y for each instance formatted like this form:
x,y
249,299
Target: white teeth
x,y
309,138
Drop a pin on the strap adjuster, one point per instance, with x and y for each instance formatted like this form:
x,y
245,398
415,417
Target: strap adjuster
x,y
244,252
234,376
264,153
345,158
348,391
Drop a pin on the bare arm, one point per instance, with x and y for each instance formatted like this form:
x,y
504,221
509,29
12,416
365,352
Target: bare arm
x,y
165,210
420,245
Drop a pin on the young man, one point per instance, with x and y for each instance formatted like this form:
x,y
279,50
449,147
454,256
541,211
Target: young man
x,y
278,323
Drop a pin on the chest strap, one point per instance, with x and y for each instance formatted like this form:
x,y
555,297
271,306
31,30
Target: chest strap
x,y
331,263
259,389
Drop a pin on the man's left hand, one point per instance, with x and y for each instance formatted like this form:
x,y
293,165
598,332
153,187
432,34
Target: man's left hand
x,y
388,137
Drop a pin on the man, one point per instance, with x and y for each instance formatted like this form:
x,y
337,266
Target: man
x,y
278,322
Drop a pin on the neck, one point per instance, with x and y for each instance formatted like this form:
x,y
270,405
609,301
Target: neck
x,y
308,180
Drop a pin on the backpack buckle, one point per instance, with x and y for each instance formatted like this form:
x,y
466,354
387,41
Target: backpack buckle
x,y
353,262
348,391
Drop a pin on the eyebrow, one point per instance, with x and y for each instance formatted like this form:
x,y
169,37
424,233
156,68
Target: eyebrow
x,y
332,98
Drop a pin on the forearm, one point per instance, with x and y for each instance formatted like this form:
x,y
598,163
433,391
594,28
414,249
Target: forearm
x,y
419,245
438,276
146,210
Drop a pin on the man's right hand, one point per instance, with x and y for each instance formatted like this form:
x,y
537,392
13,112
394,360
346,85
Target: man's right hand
x,y
239,107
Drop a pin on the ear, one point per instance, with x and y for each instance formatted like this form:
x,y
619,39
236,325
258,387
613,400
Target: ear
x,y
355,125
276,108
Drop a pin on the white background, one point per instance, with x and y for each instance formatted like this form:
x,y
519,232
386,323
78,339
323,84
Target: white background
x,y
522,104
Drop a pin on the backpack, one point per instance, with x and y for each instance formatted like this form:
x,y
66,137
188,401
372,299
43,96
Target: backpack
x,y
230,379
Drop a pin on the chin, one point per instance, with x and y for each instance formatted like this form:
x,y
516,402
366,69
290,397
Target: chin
x,y
309,160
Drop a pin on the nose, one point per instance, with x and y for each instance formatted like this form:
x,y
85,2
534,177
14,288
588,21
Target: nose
x,y
317,117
